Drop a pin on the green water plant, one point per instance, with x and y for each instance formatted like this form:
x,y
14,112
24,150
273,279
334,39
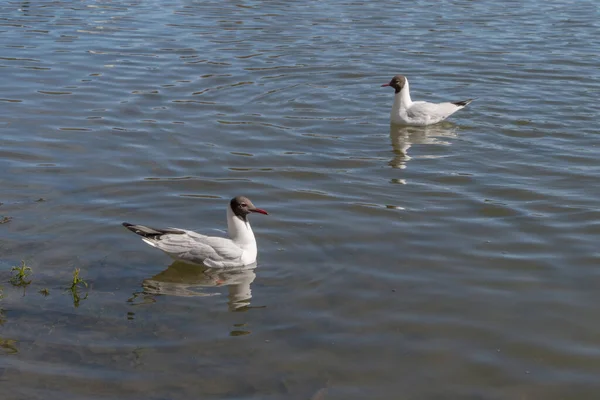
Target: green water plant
x,y
44,292
20,275
76,283
8,346
77,298
77,280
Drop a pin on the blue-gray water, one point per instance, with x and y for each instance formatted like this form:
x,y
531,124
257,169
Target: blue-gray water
x,y
458,261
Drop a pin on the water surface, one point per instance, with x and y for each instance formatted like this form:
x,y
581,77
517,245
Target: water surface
x,y
458,261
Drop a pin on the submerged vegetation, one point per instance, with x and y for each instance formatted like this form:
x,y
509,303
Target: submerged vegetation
x,y
77,280
8,346
20,275
74,288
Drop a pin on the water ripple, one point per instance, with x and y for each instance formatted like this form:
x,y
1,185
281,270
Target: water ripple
x,y
463,253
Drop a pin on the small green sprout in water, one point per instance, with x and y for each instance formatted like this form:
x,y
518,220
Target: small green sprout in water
x,y
77,280
77,298
9,346
44,292
74,287
20,275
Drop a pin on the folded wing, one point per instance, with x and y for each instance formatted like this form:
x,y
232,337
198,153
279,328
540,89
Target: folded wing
x,y
192,247
431,112
195,248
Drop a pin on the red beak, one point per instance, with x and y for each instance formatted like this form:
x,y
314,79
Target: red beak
x,y
385,84
259,210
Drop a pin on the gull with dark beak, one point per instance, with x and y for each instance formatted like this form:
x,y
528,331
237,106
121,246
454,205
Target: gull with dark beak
x,y
418,113
214,252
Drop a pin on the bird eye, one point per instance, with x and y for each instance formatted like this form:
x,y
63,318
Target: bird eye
x,y
244,205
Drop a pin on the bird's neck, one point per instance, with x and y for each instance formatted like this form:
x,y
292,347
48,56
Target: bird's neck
x,y
402,100
240,231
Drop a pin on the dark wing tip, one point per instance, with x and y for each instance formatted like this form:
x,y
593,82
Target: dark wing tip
x,y
152,233
463,103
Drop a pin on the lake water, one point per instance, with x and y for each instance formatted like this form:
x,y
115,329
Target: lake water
x,y
458,261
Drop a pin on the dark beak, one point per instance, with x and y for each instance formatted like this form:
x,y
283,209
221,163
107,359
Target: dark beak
x,y
385,84
258,210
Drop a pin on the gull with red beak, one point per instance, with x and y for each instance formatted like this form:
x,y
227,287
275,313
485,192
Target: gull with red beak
x,y
418,113
214,252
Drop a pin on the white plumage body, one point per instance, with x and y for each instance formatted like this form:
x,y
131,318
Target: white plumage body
x,y
421,113
211,251
215,252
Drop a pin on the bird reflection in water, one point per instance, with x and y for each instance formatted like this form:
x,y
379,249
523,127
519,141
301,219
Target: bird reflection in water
x,y
187,280
403,137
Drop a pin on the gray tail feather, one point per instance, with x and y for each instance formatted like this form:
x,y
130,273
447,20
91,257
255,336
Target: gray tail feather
x,y
148,232
463,103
